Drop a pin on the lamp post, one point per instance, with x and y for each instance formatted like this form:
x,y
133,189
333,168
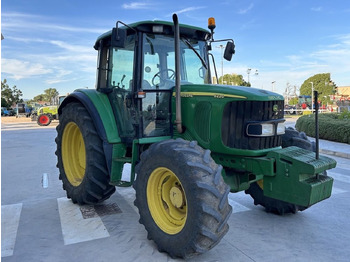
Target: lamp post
x,y
248,72
222,63
312,96
273,85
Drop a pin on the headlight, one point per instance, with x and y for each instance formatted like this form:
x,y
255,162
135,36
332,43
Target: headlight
x,y
260,130
266,129
281,129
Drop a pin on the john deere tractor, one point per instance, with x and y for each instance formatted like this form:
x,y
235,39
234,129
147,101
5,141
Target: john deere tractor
x,y
189,142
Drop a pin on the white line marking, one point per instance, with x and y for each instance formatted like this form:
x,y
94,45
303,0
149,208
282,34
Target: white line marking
x,y
10,215
237,207
339,177
75,228
45,180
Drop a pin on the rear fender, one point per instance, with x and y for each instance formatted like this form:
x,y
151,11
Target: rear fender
x,y
100,110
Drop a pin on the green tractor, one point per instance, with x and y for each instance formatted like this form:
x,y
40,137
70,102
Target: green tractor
x,y
44,115
189,142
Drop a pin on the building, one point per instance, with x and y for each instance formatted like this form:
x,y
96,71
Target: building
x,y
344,91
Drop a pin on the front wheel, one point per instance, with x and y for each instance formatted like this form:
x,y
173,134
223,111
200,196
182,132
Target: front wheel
x,y
182,198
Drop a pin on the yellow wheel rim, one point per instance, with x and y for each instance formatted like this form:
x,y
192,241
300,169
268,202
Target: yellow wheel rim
x,y
73,154
166,200
261,184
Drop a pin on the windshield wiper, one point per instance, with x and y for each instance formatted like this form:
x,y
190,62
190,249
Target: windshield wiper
x,y
195,51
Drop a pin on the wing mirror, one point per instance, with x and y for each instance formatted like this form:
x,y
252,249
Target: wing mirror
x,y
229,51
118,37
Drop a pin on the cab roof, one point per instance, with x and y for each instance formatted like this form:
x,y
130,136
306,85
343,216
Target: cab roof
x,y
191,32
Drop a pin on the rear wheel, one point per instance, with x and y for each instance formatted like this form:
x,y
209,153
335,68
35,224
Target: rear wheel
x,y
44,120
80,155
182,198
291,138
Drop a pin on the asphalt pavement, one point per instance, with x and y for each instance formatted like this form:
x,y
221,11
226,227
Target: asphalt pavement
x,y
38,222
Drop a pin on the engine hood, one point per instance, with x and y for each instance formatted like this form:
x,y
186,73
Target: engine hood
x,y
225,91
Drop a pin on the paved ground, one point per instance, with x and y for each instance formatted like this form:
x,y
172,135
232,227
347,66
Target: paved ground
x,y
40,224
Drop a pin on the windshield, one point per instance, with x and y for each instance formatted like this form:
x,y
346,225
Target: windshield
x,y
159,62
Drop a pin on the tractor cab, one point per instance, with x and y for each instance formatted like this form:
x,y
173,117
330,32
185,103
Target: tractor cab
x,y
136,68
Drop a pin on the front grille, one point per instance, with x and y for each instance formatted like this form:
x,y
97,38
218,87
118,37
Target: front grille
x,y
238,114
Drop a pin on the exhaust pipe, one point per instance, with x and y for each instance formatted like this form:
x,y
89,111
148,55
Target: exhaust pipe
x,y
178,120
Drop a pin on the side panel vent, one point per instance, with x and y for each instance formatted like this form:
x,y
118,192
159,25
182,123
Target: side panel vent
x,y
202,120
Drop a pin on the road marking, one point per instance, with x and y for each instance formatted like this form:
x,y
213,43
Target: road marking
x,y
10,215
237,207
339,177
45,180
75,228
25,126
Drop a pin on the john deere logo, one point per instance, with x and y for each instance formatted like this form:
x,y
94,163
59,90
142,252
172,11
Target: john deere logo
x,y
275,108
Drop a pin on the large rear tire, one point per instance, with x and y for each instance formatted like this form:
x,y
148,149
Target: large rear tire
x,y
81,161
256,190
182,198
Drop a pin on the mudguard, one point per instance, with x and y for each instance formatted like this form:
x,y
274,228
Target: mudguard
x,y
101,112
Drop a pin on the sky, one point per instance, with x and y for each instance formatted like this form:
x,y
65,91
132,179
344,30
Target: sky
x,y
49,43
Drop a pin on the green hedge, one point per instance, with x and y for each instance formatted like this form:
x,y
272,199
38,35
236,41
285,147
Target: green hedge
x,y
333,127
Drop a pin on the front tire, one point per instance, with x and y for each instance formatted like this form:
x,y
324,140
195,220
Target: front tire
x,y
182,198
81,161
256,190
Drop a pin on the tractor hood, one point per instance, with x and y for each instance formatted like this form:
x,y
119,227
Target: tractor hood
x,y
225,91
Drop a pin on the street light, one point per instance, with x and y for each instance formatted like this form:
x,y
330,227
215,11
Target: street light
x,y
248,72
273,85
312,96
222,62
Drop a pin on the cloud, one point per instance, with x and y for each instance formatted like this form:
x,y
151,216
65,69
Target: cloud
x,y
316,9
246,10
189,9
18,69
137,5
294,68
21,21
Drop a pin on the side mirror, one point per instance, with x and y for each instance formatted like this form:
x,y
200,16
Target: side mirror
x,y
118,37
229,51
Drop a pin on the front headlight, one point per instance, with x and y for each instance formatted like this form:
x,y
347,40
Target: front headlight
x,y
260,130
281,129
267,130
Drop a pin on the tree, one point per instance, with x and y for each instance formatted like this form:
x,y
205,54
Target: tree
x,y
321,83
293,101
233,79
50,93
10,96
38,98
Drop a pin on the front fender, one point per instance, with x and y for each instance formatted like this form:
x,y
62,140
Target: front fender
x,y
100,110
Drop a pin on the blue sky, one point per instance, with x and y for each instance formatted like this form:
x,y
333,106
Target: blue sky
x,y
49,43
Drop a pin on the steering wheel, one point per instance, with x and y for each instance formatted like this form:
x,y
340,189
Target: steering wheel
x,y
172,76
